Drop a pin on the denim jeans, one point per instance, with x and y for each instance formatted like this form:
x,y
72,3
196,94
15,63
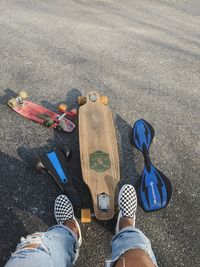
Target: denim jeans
x,y
58,247
129,238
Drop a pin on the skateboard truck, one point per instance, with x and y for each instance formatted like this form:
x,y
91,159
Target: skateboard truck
x,y
103,202
61,119
18,101
93,97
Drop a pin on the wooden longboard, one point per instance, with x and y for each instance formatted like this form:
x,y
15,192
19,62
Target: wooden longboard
x,y
99,154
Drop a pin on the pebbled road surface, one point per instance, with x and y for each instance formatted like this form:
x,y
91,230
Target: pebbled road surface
x,y
145,55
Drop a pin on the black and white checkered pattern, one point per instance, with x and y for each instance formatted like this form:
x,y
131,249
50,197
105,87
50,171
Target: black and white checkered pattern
x,y
127,201
63,209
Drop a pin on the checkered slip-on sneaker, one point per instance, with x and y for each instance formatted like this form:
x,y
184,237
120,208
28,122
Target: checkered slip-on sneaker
x,y
127,201
63,211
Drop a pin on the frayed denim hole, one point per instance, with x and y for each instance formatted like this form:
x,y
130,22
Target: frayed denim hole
x,y
18,255
47,236
44,248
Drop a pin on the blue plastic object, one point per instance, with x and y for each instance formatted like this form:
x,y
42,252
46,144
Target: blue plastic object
x,y
154,189
57,166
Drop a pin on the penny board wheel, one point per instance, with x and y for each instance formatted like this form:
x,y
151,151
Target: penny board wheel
x,y
23,94
12,103
62,107
85,215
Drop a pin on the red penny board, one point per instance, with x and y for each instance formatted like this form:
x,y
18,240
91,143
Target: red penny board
x,y
35,112
32,112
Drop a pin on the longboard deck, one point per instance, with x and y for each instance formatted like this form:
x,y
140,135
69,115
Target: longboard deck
x,y
99,154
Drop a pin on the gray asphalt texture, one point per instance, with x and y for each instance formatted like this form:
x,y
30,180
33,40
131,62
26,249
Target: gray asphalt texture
x,y
145,56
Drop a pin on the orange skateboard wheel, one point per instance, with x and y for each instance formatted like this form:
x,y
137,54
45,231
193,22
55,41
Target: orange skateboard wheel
x,y
81,100
62,107
85,216
104,99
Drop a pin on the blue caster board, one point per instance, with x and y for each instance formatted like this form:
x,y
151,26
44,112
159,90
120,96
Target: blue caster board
x,y
154,189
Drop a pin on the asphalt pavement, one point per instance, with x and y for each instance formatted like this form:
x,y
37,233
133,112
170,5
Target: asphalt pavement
x,y
145,56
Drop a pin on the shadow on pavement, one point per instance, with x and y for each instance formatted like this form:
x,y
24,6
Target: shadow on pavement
x,y
28,196
9,93
15,188
129,173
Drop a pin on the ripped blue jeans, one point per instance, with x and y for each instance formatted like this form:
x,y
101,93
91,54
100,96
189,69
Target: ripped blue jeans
x,y
58,247
129,238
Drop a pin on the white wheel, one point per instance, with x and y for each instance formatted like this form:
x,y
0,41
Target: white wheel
x,y
12,103
23,94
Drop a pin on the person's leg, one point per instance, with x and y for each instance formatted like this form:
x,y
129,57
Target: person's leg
x,y
57,247
137,257
130,247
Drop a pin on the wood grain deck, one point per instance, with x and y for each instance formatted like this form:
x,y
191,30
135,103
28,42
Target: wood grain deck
x,y
98,143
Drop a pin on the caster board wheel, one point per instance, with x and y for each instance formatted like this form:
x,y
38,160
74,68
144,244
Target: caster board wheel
x,y
23,94
39,166
67,151
86,215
